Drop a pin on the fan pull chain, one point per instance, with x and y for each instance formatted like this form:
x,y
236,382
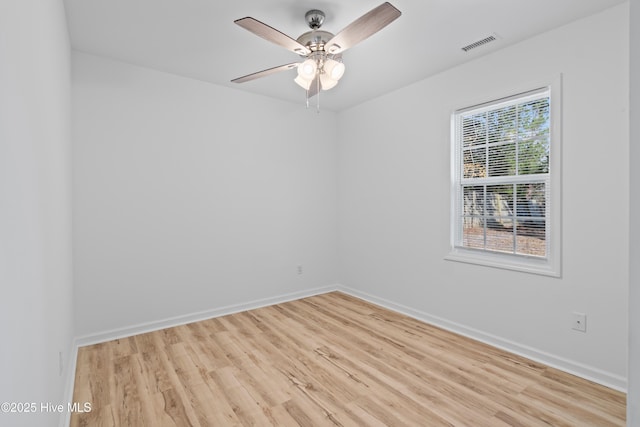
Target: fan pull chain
x,y
318,96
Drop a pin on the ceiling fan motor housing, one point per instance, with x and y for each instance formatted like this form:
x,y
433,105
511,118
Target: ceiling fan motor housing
x,y
315,39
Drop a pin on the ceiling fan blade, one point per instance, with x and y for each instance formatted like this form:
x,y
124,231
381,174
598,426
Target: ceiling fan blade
x,y
271,34
263,73
363,27
315,87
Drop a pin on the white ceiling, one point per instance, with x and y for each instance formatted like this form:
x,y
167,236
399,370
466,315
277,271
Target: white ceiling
x,y
198,39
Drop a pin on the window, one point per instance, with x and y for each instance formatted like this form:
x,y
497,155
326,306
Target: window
x,y
503,189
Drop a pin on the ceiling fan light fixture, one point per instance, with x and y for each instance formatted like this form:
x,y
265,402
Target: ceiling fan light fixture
x,y
307,69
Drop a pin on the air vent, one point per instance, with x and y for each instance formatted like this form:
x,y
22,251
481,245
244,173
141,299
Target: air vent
x,y
479,43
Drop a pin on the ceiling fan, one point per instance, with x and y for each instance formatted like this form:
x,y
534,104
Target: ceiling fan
x,y
322,67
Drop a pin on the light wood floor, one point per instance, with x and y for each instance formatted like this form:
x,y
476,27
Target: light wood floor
x,y
322,361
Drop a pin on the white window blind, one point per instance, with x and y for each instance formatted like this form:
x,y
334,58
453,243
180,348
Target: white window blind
x,y
502,177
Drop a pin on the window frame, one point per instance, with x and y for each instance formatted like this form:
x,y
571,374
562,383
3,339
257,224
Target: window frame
x,y
551,264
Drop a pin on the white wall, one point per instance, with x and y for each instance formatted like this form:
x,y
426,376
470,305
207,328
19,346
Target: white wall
x,y
36,311
394,202
633,394
190,197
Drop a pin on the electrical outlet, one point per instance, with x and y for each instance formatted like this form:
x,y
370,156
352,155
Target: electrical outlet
x,y
299,269
579,322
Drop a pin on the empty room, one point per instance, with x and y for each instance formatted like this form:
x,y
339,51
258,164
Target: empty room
x,y
301,213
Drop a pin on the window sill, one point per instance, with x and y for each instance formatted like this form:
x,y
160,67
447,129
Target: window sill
x,y
504,261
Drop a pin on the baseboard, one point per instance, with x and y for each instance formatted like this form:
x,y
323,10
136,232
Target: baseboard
x,y
590,373
65,417
195,317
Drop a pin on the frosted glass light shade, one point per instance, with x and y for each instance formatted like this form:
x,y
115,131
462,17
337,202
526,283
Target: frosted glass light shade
x,y
327,82
307,69
304,84
334,69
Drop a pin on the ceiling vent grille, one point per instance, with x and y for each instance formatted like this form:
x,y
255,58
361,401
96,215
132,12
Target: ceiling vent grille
x,y
479,43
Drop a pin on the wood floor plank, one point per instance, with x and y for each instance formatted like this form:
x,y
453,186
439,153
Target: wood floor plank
x,y
279,416
390,364
327,360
